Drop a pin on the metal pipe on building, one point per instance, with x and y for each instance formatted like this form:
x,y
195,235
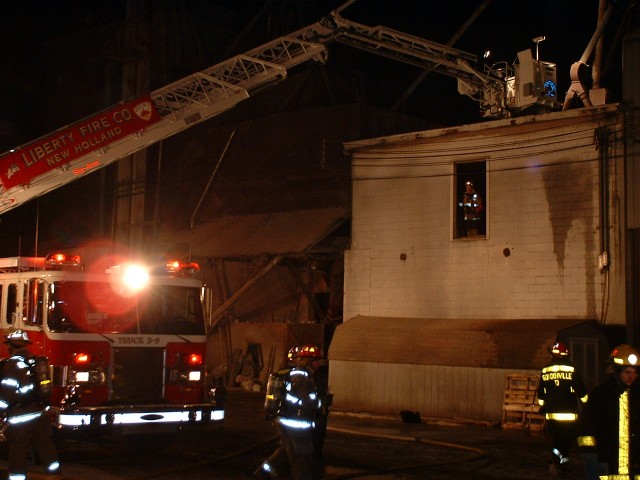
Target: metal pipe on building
x,y
602,138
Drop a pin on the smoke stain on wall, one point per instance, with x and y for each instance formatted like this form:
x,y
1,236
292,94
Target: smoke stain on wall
x,y
569,192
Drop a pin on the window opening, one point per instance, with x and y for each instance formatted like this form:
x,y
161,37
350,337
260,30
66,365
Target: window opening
x,y
470,195
12,303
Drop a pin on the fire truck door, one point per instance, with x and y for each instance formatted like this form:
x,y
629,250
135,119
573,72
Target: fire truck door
x,y
33,301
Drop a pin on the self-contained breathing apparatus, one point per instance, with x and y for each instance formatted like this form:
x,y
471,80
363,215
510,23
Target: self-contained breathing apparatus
x,y
292,392
39,368
41,374
275,395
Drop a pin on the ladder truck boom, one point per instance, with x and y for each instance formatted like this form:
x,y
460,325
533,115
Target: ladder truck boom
x,y
428,55
70,152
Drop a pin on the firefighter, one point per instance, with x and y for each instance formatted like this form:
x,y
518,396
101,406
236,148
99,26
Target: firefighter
x,y
297,406
610,423
28,425
472,206
272,404
561,394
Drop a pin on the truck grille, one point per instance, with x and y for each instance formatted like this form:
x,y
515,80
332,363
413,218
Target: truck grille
x,y
138,375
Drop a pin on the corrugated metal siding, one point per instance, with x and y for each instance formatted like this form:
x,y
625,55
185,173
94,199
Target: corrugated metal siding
x,y
434,391
631,94
631,70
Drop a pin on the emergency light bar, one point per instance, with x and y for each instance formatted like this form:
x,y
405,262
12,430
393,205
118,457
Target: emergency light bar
x,y
62,260
182,268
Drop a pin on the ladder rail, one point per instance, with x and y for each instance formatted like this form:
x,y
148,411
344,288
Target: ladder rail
x,y
419,52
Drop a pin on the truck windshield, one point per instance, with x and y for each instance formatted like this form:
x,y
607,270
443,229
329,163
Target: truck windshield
x,y
98,308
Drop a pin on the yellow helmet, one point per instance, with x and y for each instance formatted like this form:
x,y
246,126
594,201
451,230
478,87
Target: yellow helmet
x,y
625,356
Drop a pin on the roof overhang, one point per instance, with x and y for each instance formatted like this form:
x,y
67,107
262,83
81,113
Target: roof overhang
x,y
508,343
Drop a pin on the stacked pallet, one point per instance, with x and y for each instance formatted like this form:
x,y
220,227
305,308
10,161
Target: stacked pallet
x,y
520,410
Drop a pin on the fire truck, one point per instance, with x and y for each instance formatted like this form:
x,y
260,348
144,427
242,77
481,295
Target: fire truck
x,y
126,342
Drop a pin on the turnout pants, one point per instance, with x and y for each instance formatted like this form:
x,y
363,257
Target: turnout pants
x,y
21,437
298,444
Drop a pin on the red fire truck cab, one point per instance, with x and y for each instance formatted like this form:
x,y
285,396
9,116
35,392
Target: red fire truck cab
x,y
126,343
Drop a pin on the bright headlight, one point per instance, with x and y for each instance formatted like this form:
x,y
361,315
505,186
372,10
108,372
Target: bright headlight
x,y
135,277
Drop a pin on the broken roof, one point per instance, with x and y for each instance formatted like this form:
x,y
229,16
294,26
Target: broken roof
x,y
277,233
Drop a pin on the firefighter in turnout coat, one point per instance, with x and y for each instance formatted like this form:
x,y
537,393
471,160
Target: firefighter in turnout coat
x,y
561,394
277,461
28,424
293,398
609,438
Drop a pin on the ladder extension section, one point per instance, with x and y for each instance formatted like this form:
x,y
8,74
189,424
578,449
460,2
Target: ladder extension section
x,y
416,51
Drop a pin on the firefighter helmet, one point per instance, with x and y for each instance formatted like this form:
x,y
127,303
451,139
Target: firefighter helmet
x,y
291,354
309,351
624,356
559,349
18,337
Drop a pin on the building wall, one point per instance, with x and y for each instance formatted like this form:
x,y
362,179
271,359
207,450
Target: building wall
x,y
538,260
434,391
542,210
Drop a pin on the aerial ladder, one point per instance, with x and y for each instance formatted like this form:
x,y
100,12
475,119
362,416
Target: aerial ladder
x,y
73,151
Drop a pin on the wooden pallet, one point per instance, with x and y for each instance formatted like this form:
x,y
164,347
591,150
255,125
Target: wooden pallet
x,y
520,409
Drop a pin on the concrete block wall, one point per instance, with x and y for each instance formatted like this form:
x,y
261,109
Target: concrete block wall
x,y
542,209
